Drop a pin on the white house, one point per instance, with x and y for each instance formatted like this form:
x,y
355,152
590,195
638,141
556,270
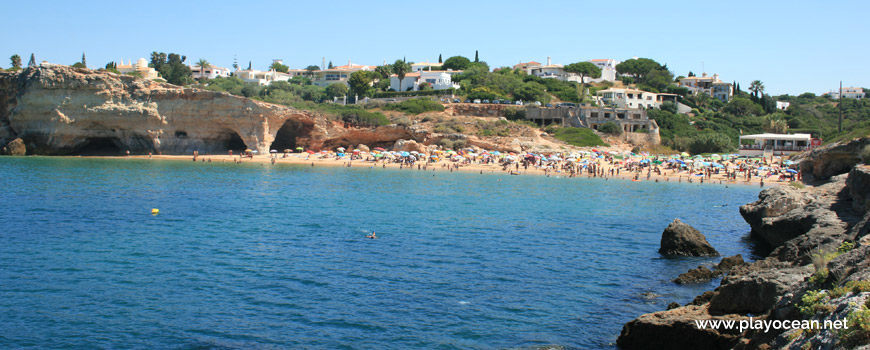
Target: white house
x,y
438,79
631,98
416,67
210,73
774,144
608,69
527,66
338,74
709,85
554,71
261,77
848,92
782,105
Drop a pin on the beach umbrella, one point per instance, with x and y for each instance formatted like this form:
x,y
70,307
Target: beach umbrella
x,y
340,154
405,154
787,162
379,149
287,150
684,154
379,155
341,149
255,151
310,152
299,148
792,171
248,150
273,151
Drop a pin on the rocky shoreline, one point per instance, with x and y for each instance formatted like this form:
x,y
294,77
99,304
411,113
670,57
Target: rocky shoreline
x,y
817,269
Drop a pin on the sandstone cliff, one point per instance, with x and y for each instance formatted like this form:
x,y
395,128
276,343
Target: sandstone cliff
x,y
59,110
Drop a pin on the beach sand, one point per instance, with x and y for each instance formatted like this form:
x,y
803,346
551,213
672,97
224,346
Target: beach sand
x,y
442,167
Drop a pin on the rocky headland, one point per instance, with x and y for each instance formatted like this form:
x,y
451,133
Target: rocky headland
x,y
817,268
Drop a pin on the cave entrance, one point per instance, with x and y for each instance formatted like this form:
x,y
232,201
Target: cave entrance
x,y
286,137
100,146
233,142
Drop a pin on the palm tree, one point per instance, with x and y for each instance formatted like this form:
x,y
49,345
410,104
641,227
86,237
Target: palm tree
x,y
757,87
401,68
16,61
203,65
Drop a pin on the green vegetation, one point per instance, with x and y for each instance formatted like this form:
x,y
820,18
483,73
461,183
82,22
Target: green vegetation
x,y
813,302
171,67
581,137
858,322
15,61
416,106
279,67
610,128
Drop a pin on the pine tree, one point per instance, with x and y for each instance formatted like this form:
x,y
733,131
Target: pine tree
x,y
476,59
249,65
84,61
32,62
330,66
439,58
235,63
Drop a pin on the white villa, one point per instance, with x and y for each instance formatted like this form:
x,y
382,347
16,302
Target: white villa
x,y
338,74
631,98
527,66
709,85
608,69
557,71
848,92
416,67
261,77
210,73
438,79
141,66
782,105
774,144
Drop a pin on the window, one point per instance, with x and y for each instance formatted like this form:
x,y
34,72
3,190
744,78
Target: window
x,y
593,115
606,115
620,115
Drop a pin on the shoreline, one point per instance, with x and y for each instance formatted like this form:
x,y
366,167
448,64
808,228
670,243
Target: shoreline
x,y
294,159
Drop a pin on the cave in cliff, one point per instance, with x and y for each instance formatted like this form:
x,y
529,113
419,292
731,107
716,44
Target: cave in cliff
x,y
234,142
99,146
287,136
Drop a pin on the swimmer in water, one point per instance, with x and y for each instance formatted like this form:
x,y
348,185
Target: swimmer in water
x,y
372,236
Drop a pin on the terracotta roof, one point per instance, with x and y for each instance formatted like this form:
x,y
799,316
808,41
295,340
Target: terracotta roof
x,y
601,60
407,75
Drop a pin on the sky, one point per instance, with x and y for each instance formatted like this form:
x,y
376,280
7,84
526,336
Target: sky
x,y
791,46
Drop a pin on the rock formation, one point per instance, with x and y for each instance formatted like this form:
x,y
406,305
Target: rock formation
x,y
821,231
837,158
680,239
14,148
59,110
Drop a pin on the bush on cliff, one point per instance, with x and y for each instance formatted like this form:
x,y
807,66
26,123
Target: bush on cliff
x,y
364,118
416,106
610,128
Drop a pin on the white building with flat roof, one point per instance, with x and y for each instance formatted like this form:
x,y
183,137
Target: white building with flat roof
x,y
632,98
141,67
338,74
438,79
712,86
774,144
210,72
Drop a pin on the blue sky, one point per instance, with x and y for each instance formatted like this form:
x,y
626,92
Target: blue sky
x,y
792,46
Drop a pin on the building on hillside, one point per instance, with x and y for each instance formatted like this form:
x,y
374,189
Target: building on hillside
x,y
782,105
632,98
608,69
438,79
709,85
338,74
416,67
261,77
527,66
141,67
210,72
629,119
848,92
774,144
553,71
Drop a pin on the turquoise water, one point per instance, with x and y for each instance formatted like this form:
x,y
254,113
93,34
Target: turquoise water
x,y
275,257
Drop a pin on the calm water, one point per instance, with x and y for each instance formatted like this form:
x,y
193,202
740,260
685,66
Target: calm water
x,y
274,257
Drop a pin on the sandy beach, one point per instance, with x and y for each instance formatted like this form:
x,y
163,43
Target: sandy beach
x,y
447,166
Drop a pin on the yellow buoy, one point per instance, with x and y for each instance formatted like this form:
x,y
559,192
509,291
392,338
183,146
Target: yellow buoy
x,y
155,211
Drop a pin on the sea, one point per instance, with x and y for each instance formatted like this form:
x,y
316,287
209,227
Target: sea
x,y
260,256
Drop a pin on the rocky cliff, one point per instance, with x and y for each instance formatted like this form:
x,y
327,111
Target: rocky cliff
x,y
58,110
817,269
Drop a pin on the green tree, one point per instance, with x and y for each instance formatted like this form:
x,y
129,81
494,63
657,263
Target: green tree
x,y
456,63
439,58
79,65
776,123
401,68
638,67
235,63
84,61
476,58
15,60
361,82
32,62
742,107
171,67
336,90
157,59
203,65
384,71
330,66
757,88
278,67
710,142
309,71
584,69
610,128
532,91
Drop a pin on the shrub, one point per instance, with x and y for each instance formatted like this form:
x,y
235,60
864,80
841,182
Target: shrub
x,y
514,113
365,118
865,155
709,143
581,137
845,247
402,121
611,128
445,143
858,286
813,302
416,106
458,144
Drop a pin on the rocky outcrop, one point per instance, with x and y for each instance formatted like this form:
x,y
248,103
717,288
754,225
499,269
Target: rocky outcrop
x,y
14,148
676,329
698,275
772,202
837,158
680,239
58,110
859,187
408,146
756,291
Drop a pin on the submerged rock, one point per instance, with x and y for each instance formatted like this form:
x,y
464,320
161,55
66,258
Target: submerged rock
x,y
680,239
